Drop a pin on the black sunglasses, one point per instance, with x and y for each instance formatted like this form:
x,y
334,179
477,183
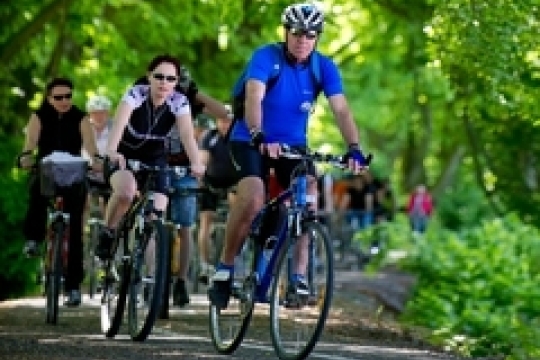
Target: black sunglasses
x,y
60,97
161,77
309,34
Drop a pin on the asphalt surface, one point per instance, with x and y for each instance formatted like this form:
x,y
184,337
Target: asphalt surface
x,y
353,331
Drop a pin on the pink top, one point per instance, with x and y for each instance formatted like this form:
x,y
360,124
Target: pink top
x,y
420,203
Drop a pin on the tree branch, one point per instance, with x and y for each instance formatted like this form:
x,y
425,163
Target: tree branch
x,y
13,47
476,153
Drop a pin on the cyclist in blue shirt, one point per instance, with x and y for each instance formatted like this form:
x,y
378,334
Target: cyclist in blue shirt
x,y
274,115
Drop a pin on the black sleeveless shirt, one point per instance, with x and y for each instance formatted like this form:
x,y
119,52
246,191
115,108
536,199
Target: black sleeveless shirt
x,y
59,132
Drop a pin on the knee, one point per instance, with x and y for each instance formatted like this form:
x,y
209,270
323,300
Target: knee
x,y
251,193
124,186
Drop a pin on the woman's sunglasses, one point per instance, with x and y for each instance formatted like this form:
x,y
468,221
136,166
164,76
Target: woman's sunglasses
x,y
309,34
60,97
162,77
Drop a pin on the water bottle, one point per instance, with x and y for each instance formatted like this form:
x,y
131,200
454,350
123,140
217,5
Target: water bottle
x,y
301,189
266,254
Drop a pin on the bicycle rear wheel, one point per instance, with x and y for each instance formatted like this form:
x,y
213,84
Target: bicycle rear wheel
x,y
228,326
114,291
54,274
147,280
297,321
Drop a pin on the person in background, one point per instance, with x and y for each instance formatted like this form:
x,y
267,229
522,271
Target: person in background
x,y
419,209
358,202
385,203
57,111
99,111
220,176
183,204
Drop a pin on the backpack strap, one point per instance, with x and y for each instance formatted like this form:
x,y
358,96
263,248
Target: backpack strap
x,y
315,66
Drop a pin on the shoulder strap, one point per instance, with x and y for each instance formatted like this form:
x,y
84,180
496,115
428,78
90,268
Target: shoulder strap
x,y
278,65
315,66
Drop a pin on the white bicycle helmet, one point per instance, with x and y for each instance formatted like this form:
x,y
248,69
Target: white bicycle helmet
x,y
304,16
97,103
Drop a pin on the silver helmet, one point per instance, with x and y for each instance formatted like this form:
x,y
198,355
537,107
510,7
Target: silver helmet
x,y
304,16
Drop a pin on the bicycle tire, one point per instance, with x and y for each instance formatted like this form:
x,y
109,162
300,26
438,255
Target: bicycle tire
x,y
114,291
298,316
164,310
240,308
140,327
91,259
54,275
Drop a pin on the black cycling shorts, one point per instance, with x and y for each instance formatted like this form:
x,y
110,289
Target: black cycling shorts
x,y
249,162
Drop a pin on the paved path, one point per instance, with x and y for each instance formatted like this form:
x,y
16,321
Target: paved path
x,y
351,333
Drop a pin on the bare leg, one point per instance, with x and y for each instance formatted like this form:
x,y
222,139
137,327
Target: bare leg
x,y
124,188
184,235
160,202
301,250
249,199
205,223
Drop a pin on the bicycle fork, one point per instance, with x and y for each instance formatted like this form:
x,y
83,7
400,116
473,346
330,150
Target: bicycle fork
x,y
58,221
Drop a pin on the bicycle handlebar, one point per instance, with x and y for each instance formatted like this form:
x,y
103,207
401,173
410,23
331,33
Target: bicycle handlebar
x,y
292,153
137,165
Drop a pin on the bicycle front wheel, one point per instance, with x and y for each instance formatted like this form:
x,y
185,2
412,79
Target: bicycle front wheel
x,y
147,280
297,319
114,291
228,326
54,274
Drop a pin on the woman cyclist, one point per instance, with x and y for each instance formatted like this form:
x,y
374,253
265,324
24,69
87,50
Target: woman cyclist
x,y
144,118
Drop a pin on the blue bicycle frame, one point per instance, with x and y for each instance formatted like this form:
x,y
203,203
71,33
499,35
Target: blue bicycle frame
x,y
297,192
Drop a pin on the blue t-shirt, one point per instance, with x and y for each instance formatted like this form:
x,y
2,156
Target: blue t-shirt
x,y
287,106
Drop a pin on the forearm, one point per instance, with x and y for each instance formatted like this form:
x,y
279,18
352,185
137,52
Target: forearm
x,y
89,141
344,118
212,106
114,138
191,148
187,137
33,129
347,127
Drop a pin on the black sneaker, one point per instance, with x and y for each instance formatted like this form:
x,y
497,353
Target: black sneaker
x,y
31,248
103,248
219,291
180,293
73,298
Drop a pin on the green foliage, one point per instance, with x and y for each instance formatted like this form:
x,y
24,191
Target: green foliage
x,y
18,275
478,289
445,92
462,205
